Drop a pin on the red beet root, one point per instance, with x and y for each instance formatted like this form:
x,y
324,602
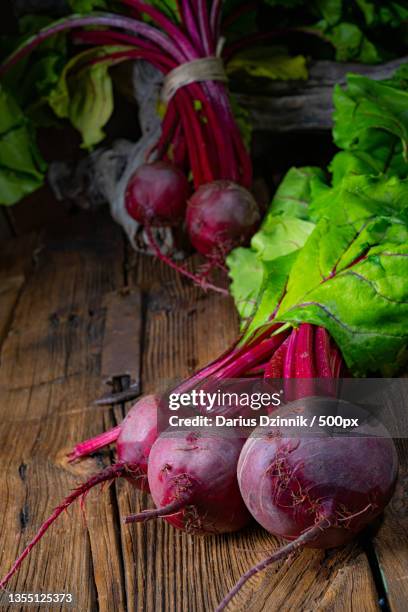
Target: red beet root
x,y
157,194
221,216
135,437
193,483
317,490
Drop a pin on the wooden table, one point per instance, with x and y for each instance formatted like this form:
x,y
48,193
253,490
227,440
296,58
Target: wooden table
x,y
62,296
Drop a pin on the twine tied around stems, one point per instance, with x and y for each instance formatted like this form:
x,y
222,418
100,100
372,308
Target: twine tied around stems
x,y
203,69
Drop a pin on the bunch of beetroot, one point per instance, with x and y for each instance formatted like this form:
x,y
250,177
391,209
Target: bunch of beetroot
x,y
200,136
316,491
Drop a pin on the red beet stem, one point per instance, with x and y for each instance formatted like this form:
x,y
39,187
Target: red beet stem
x,y
282,553
322,352
191,25
181,269
107,19
83,449
275,367
215,18
173,31
289,363
110,473
304,357
147,515
251,357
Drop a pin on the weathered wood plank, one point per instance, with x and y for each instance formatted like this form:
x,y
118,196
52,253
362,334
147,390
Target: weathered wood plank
x,y
9,291
391,541
307,105
51,368
16,261
121,343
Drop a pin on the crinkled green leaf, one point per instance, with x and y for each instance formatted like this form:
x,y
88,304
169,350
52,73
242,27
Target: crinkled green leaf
x,y
279,236
271,290
262,62
283,232
390,13
350,43
34,76
21,167
246,273
294,193
330,10
84,94
351,275
368,105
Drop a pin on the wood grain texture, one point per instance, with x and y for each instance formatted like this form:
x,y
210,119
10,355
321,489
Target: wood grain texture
x,y
57,349
391,541
50,370
307,106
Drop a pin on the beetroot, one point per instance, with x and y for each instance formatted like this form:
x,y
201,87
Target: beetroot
x,y
193,483
220,216
317,490
134,439
156,194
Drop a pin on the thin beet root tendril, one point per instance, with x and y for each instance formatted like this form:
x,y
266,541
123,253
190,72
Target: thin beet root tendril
x,y
107,475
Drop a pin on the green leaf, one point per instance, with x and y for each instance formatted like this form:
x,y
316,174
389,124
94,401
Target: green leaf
x,y
284,230
246,273
271,290
330,10
84,93
351,275
21,167
293,195
393,14
241,25
279,236
34,77
262,62
350,43
372,105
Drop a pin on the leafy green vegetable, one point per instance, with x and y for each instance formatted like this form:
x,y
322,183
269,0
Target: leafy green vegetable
x,y
34,77
84,93
21,167
372,105
263,62
337,255
351,275
391,13
293,195
330,10
350,43
359,30
246,272
283,232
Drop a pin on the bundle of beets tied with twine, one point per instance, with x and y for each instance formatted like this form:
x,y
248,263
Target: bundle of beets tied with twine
x,y
198,173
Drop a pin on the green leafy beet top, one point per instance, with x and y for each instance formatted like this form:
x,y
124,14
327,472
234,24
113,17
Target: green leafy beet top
x,y
347,268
